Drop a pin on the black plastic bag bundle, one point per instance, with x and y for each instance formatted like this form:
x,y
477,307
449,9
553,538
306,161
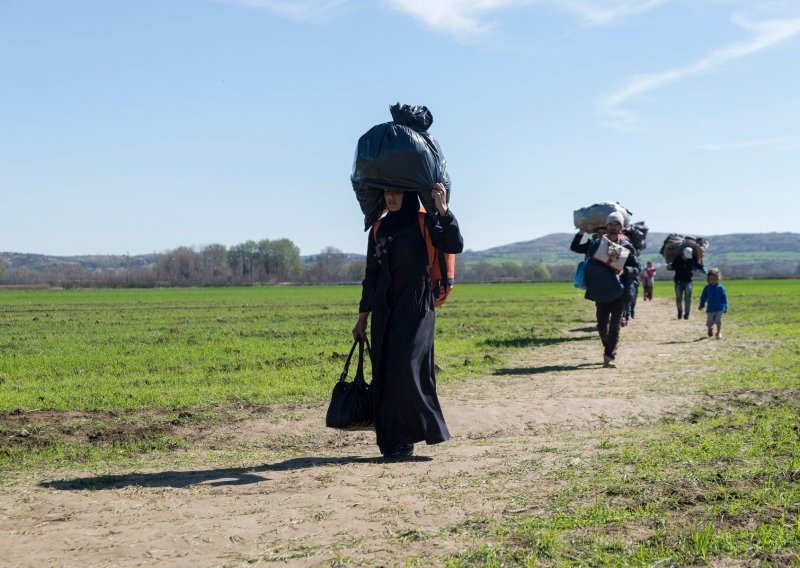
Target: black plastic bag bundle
x,y
399,155
637,234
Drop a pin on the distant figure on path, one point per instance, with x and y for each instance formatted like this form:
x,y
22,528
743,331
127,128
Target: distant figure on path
x,y
605,288
397,291
717,299
684,266
648,278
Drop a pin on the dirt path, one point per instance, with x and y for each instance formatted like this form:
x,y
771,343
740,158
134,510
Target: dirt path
x,y
252,494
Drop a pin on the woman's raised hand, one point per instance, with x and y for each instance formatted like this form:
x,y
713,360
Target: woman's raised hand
x,y
439,194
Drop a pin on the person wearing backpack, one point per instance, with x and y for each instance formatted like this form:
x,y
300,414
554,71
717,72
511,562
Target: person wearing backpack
x,y
605,287
397,292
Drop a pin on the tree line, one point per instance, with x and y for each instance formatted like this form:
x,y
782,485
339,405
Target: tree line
x,y
279,261
247,263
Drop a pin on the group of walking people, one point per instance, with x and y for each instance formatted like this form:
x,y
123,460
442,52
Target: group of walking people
x,y
614,291
394,163
397,305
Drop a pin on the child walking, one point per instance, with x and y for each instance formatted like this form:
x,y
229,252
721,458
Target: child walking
x,y
648,278
714,295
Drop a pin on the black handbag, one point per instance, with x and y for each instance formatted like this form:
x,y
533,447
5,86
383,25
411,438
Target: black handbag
x,y
351,403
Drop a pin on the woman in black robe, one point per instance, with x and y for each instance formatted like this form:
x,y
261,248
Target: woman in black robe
x,y
397,291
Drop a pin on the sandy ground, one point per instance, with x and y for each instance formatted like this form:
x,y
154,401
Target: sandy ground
x,y
249,494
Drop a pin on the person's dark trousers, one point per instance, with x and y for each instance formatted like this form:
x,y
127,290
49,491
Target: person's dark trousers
x,y
609,317
648,291
632,301
683,298
628,291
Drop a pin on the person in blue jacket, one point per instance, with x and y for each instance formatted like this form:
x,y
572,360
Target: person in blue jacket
x,y
604,286
717,299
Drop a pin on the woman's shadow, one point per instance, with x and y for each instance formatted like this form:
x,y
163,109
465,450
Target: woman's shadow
x,y
212,477
544,369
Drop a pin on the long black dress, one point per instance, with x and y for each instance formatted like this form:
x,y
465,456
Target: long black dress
x,y
397,290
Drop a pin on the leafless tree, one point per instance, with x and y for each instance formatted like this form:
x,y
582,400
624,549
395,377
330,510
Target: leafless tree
x,y
328,267
214,262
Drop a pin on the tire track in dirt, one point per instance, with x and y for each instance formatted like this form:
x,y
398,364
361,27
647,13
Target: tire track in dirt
x,y
251,494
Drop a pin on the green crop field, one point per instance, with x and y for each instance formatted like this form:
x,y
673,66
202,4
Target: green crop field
x,y
101,375
719,488
98,375
182,348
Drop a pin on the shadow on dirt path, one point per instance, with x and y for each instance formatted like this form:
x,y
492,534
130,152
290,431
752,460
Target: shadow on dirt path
x,y
546,369
214,477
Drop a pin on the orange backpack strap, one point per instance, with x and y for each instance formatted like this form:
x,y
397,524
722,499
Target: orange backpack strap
x,y
442,265
423,228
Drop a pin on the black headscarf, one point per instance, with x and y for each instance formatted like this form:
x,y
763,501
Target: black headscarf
x,y
393,222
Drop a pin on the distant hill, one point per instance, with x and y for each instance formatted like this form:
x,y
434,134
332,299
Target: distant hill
x,y
91,262
741,254
551,249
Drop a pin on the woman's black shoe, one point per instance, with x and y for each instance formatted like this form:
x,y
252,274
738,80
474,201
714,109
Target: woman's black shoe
x,y
403,452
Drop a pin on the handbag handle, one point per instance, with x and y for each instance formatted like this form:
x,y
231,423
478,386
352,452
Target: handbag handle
x,y
360,342
359,378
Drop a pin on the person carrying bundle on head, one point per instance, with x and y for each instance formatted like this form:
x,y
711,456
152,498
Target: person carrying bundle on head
x,y
611,258
398,165
684,267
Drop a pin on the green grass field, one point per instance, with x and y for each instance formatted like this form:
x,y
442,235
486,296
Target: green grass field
x,y
185,348
720,486
105,375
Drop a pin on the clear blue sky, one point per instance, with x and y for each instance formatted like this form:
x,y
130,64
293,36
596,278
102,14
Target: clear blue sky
x,y
137,126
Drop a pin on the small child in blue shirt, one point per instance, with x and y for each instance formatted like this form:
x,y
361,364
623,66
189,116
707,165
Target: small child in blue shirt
x,y
714,295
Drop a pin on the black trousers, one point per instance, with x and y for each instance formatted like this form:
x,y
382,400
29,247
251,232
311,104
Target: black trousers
x,y
631,295
609,317
683,294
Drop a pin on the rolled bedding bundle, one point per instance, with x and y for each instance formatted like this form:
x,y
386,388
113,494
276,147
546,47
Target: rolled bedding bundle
x,y
593,216
674,244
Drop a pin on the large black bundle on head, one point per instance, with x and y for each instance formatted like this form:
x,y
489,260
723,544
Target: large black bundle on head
x,y
674,244
637,234
399,155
